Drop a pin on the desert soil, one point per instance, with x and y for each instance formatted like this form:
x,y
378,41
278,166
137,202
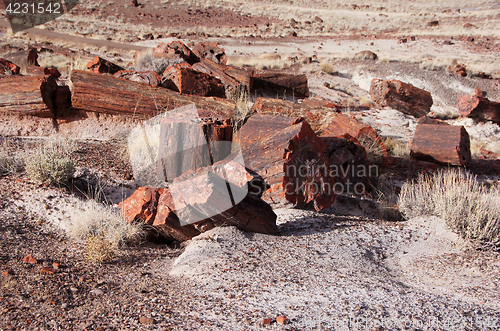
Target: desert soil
x,y
348,268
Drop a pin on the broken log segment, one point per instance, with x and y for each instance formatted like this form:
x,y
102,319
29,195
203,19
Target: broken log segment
x,y
277,84
341,124
107,94
210,51
292,162
28,95
103,66
8,68
406,98
441,143
349,165
478,107
234,79
184,79
146,77
176,48
318,116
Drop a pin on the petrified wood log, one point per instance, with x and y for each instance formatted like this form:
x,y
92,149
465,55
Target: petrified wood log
x,y
479,107
106,94
318,115
23,58
404,97
146,77
184,79
349,165
28,95
39,71
364,134
292,161
210,51
279,84
176,48
198,201
234,79
103,66
190,140
441,143
8,68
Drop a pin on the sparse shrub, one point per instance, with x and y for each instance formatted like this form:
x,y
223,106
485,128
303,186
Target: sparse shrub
x,y
102,229
243,106
148,61
397,148
467,207
50,163
326,66
98,249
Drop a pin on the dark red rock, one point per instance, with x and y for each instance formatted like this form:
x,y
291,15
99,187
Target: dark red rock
x,y
404,97
478,107
8,68
141,206
184,79
100,65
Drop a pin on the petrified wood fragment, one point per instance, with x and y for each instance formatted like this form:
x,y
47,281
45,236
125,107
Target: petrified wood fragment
x,y
278,84
103,66
479,107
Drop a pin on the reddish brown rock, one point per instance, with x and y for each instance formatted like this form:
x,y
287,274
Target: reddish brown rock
x,y
47,270
277,84
146,77
210,51
291,160
141,206
478,107
234,79
184,79
317,113
404,97
146,320
366,136
176,48
8,68
458,69
441,143
30,259
267,321
282,320
39,71
63,99
103,66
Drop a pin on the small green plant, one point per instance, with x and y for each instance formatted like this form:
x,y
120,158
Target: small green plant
x,y
467,207
50,163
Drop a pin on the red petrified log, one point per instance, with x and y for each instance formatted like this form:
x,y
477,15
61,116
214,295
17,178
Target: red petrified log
x,y
441,143
291,160
28,95
479,107
8,68
103,66
349,164
404,97
364,134
234,79
39,71
146,77
210,51
184,79
318,115
176,48
278,84
106,94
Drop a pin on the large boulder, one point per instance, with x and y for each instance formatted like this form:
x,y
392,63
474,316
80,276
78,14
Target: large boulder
x,y
478,107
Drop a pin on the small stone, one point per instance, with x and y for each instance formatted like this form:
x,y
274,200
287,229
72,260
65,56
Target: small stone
x,y
282,320
30,259
8,272
97,291
146,320
267,321
45,270
56,265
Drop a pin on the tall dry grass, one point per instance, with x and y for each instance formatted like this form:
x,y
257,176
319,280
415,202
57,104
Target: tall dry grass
x,y
467,207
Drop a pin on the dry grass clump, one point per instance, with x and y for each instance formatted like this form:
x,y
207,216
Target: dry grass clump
x,y
397,148
468,208
50,163
102,229
9,162
260,63
326,66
